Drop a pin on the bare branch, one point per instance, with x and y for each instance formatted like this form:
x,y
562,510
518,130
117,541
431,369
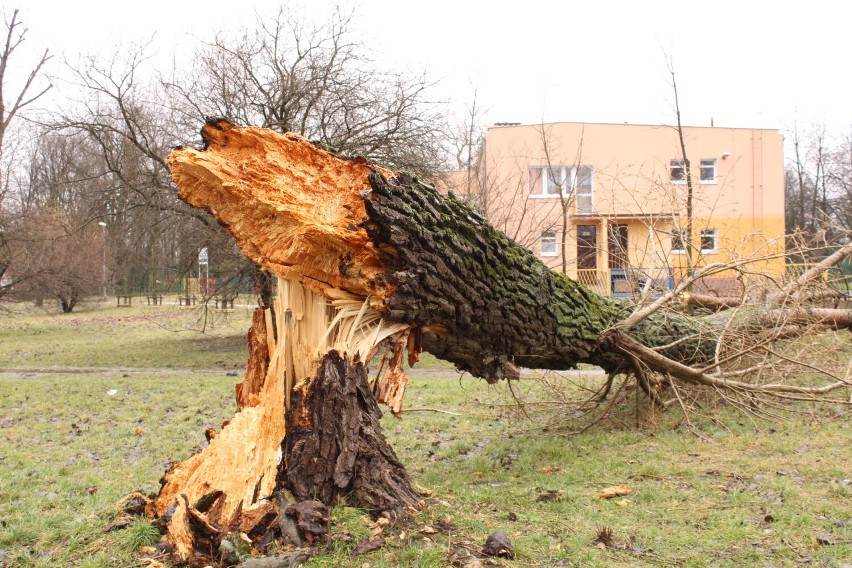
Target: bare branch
x,y
791,290
662,364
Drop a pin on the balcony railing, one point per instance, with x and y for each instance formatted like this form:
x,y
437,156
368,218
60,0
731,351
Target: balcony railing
x,y
633,282
626,282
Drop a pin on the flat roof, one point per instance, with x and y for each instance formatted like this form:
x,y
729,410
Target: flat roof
x,y
502,125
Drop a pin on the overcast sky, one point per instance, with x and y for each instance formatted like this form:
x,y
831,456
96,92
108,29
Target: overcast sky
x,y
742,63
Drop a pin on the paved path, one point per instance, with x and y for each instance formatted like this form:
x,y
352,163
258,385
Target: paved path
x,y
29,372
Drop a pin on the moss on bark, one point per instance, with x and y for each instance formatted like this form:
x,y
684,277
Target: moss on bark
x,y
488,304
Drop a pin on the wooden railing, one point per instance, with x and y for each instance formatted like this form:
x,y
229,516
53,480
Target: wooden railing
x,y
595,280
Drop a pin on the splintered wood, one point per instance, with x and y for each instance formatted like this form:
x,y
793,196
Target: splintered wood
x,y
237,474
294,209
251,467
307,419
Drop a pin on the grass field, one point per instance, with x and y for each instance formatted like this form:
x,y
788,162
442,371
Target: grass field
x,y
72,444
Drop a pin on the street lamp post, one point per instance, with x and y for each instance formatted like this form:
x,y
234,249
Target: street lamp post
x,y
103,248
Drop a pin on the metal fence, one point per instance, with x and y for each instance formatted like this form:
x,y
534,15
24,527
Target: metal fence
x,y
633,282
169,282
838,277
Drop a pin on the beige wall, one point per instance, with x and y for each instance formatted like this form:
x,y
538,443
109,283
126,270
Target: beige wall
x,y
631,185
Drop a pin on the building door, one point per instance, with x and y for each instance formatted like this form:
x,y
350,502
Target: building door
x,y
618,246
587,247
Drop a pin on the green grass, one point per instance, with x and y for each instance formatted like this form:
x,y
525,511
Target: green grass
x,y
69,450
694,502
750,495
102,335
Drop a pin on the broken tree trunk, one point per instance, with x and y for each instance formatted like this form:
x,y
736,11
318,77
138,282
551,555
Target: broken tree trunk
x,y
366,260
304,378
479,300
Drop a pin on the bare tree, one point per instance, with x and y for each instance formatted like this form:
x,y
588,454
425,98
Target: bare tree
x,y
467,138
840,177
126,115
817,188
14,99
318,81
507,197
30,90
566,178
285,74
63,258
58,250
685,233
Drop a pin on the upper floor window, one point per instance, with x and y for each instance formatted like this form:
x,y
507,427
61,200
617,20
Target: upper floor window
x,y
708,170
678,170
553,181
548,244
583,177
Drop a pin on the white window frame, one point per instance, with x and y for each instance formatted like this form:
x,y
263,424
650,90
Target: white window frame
x,y
555,181
577,178
541,181
703,163
681,165
584,201
710,162
683,242
549,240
711,233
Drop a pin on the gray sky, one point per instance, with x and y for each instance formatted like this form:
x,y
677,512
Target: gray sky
x,y
743,63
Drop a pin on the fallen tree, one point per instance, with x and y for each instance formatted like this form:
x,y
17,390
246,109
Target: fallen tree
x,y
374,263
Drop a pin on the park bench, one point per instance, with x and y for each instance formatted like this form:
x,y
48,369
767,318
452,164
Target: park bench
x,y
123,300
224,302
155,299
186,300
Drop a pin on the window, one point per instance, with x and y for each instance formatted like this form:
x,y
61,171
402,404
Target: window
x,y
678,170
584,177
583,183
709,241
708,170
585,203
553,181
535,180
679,241
617,246
548,244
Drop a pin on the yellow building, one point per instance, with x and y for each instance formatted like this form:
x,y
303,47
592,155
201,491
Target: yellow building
x,y
608,203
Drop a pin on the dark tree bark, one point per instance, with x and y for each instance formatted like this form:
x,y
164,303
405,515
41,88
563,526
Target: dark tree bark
x,y
335,447
491,303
